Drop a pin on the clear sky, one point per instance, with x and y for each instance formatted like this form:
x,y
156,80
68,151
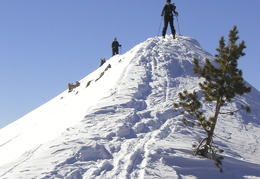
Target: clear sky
x,y
46,44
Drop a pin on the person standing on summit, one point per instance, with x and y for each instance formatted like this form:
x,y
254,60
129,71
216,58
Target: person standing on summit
x,y
115,46
167,12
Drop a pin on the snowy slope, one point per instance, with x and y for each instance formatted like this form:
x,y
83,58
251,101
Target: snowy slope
x,y
119,123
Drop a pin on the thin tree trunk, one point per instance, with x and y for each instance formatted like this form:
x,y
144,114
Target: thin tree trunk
x,y
211,132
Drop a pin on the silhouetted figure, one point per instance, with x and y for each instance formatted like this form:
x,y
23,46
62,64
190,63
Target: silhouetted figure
x,y
102,61
167,12
115,46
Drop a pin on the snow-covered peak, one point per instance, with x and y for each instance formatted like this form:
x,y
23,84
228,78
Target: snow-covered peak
x,y
119,123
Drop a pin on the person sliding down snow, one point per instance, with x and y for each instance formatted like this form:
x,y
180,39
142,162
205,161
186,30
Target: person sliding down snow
x,y
102,61
168,17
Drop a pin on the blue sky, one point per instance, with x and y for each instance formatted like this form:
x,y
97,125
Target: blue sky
x,y
46,44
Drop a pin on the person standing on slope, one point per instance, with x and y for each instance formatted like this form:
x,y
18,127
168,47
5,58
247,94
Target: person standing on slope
x,y
115,46
167,12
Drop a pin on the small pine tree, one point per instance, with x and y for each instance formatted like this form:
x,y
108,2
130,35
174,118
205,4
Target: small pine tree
x,y
222,82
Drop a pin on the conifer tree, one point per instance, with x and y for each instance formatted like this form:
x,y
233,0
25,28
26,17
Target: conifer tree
x,y
222,82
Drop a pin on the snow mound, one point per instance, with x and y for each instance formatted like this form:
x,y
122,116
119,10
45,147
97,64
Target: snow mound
x,y
119,123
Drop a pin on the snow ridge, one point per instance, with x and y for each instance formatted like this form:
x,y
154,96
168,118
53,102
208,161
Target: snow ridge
x,y
119,123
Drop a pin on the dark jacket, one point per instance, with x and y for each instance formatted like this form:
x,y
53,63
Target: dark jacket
x,y
115,45
168,10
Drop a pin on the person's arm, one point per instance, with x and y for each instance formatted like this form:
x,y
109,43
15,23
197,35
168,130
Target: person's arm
x,y
117,44
163,11
175,12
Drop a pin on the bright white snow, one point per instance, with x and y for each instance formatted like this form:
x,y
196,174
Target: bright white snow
x,y
119,123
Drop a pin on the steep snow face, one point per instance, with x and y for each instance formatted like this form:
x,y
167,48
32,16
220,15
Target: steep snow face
x,y
119,123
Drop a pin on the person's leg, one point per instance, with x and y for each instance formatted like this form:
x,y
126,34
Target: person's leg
x,y
172,27
165,26
113,52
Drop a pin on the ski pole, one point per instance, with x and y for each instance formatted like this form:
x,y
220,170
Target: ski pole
x,y
178,25
160,26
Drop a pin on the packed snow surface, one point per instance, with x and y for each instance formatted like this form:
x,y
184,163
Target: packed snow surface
x,y
120,123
